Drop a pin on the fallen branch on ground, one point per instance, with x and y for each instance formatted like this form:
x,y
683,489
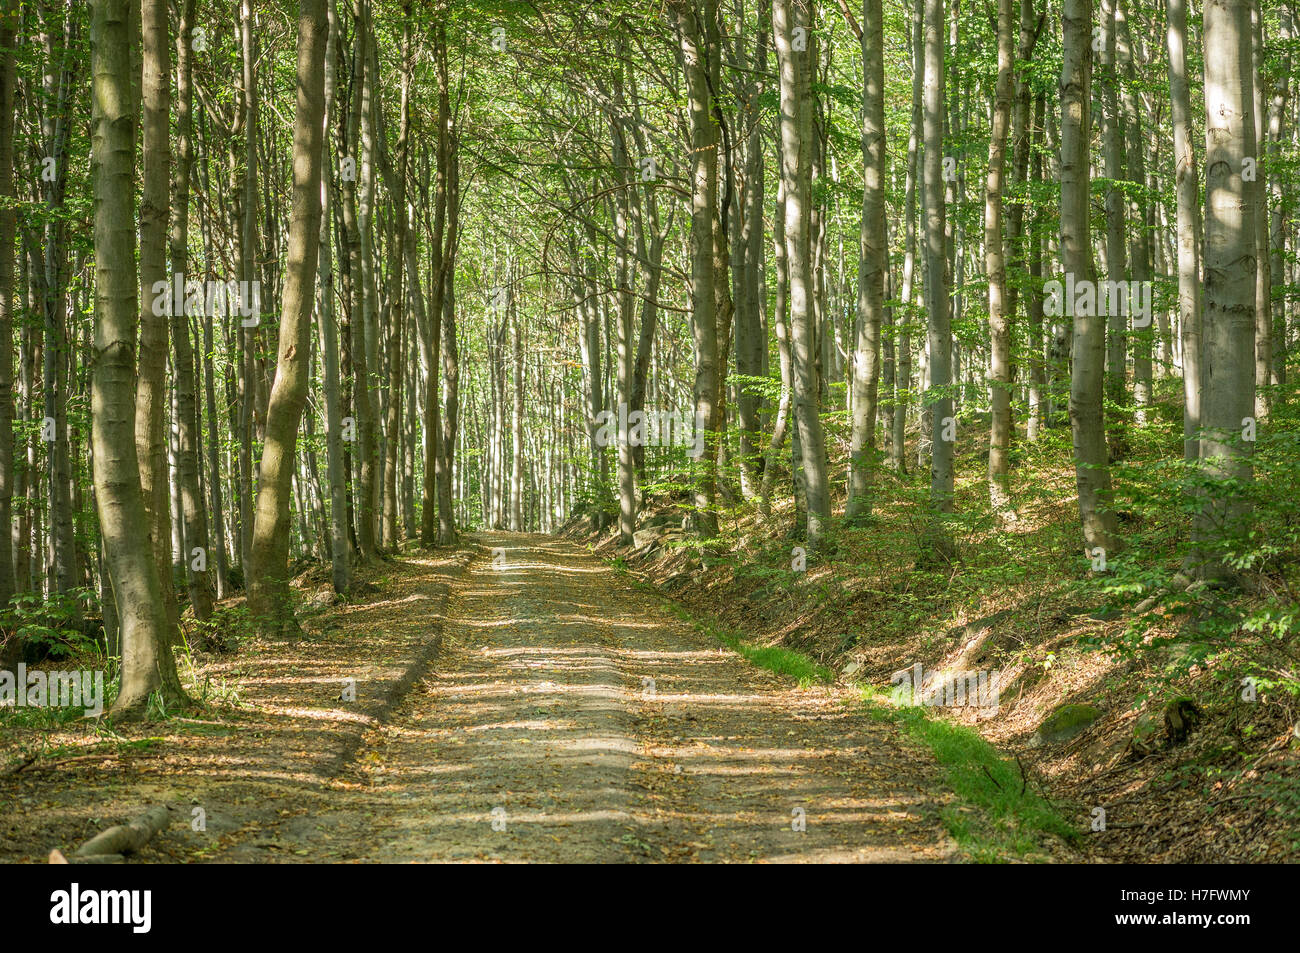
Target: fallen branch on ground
x,y
109,846
57,857
19,768
34,761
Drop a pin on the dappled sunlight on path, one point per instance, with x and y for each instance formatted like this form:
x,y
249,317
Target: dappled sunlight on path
x,y
571,717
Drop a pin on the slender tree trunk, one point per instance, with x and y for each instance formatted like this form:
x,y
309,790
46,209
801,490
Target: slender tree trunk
x,y
903,379
268,594
364,336
872,267
747,269
1230,253
781,330
58,35
147,664
1088,351
9,21
151,388
1031,25
1264,376
25,461
195,553
723,305
939,362
329,336
1039,394
624,318
450,361
397,318
1113,136
796,127
704,200
1139,211
1279,231
214,461
247,335
431,322
517,431
1188,192
995,267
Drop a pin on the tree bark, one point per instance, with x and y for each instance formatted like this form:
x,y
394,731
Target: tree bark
x,y
1230,262
704,201
247,335
268,594
440,262
1113,134
1140,212
194,512
450,359
1264,375
1092,471
1025,247
340,554
147,663
995,267
939,333
58,35
1278,224
790,21
872,265
1188,192
9,21
903,377
625,317
747,268
151,387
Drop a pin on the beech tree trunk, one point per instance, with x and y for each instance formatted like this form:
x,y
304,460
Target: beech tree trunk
x,y
792,20
195,553
9,19
903,377
938,398
268,593
872,266
1188,192
1278,231
450,360
1230,262
1139,211
340,550
995,266
1092,471
1116,251
147,663
704,200
1264,376
151,388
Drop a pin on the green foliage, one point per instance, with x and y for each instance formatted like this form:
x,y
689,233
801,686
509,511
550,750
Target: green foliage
x,y
223,632
1239,634
51,625
1012,817
108,740
774,658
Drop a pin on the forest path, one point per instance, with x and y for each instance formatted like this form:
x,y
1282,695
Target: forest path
x,y
570,717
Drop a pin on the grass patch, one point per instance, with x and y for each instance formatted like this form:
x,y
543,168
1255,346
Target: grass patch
x,y
998,815
109,743
1010,819
774,658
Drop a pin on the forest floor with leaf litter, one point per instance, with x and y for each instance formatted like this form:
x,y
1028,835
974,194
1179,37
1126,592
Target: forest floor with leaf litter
x,y
560,714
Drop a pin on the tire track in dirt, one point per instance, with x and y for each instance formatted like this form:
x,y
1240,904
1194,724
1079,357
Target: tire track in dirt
x,y
571,718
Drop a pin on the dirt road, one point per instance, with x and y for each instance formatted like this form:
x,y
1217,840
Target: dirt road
x,y
571,717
